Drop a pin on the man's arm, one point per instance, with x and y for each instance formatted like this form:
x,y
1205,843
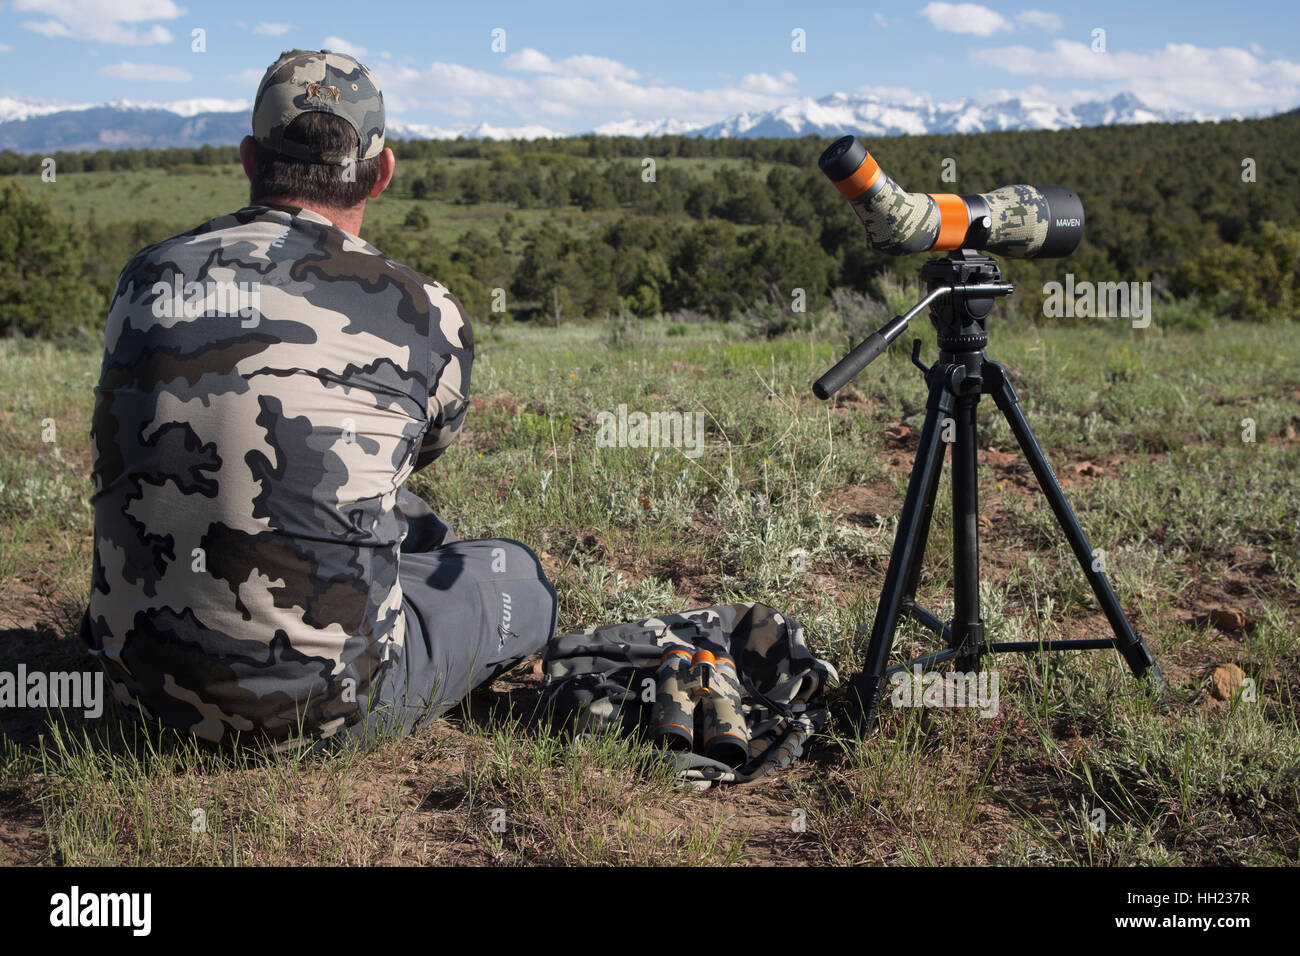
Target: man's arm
x,y
453,354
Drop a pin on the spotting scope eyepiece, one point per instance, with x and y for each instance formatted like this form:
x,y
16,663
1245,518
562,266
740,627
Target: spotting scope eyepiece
x,y
1023,222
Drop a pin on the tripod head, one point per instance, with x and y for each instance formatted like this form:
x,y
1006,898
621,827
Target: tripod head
x,y
962,287
961,320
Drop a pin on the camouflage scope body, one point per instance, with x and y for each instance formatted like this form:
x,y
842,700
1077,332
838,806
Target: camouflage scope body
x,y
1023,222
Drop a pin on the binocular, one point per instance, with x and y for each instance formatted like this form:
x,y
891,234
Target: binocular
x,y
697,704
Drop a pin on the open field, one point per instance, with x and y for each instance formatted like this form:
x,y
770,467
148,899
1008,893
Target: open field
x,y
183,196
1145,427
186,196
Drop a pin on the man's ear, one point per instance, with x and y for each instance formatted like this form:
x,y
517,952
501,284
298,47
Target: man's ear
x,y
387,163
247,152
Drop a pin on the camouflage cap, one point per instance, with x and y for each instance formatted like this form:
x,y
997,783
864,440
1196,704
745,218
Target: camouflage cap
x,y
306,81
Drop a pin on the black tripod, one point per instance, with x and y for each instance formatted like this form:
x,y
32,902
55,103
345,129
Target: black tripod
x,y
962,287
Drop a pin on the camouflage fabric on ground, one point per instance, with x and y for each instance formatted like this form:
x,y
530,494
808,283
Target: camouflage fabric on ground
x,y
598,679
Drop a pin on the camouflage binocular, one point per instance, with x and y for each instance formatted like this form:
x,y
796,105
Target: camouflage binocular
x,y
700,685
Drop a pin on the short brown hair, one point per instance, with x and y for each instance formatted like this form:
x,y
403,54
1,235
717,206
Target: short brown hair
x,y
275,174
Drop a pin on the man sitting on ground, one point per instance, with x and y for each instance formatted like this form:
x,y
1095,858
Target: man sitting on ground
x,y
269,382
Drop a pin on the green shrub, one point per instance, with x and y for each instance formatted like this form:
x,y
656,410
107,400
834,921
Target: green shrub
x,y
43,291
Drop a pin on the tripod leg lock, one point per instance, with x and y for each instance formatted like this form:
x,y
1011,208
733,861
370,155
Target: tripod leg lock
x,y
969,645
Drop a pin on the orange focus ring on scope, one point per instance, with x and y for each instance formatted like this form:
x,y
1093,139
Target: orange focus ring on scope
x,y
860,180
954,220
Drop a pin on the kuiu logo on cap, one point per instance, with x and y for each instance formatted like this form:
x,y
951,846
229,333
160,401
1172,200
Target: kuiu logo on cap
x,y
322,92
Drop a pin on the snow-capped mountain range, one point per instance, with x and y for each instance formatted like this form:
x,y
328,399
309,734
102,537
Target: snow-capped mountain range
x,y
30,126
872,116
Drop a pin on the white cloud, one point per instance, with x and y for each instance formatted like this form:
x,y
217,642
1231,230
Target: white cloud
x,y
575,87
446,79
272,29
146,71
529,60
6,48
47,28
121,11
1040,19
972,18
766,83
879,19
102,21
341,45
585,65
1179,75
556,109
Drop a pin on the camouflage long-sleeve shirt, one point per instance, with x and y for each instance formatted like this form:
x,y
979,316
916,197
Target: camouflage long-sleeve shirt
x,y
269,381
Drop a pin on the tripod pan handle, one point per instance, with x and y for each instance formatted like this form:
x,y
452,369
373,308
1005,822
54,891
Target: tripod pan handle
x,y
869,349
839,375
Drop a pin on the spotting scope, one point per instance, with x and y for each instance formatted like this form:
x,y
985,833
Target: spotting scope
x,y
1023,222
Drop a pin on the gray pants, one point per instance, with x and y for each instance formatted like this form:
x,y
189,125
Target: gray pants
x,y
474,609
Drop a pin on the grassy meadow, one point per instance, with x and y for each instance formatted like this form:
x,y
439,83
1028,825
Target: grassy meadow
x,y
793,503
188,196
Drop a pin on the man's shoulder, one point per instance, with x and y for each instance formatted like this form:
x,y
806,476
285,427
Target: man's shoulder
x,y
447,314
166,250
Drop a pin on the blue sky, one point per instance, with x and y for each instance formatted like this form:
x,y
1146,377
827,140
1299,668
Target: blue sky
x,y
574,66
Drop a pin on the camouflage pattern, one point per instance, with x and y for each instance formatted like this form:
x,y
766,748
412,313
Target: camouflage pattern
x,y
593,681
246,468
1020,221
723,731
672,717
897,221
305,81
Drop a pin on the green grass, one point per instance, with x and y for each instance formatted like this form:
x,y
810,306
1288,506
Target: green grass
x,y
792,503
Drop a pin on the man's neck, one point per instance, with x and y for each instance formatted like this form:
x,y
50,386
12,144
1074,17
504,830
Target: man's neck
x,y
349,220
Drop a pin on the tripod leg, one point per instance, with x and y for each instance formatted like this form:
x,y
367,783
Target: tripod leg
x,y
967,627
1129,643
929,491
905,558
